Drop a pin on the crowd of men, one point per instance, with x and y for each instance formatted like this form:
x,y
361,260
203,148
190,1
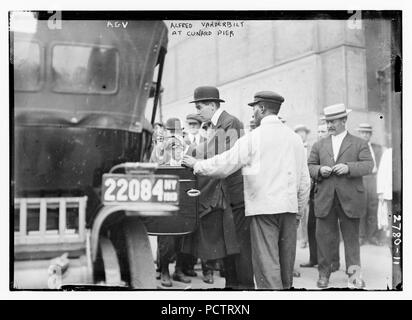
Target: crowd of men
x,y
262,190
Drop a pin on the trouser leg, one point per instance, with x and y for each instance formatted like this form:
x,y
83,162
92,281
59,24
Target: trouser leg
x,y
264,232
166,247
243,260
229,264
327,231
313,255
350,234
303,227
287,247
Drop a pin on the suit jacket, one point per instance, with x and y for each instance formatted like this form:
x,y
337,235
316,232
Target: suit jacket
x,y
355,153
228,129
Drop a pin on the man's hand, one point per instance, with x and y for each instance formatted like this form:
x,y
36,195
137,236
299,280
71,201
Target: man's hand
x,y
325,171
189,161
340,169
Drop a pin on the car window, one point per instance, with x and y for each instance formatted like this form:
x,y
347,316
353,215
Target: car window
x,y
84,69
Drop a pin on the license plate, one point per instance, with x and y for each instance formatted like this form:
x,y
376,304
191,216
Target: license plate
x,y
132,188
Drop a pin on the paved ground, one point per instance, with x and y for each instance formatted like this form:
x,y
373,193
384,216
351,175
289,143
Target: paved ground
x,y
376,261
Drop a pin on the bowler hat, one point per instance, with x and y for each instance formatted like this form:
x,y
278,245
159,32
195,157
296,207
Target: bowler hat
x,y
301,127
268,96
193,118
206,93
173,124
365,127
336,111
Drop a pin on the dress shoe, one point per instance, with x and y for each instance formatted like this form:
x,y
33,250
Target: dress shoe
x,y
356,283
308,265
190,273
208,278
179,276
323,282
165,280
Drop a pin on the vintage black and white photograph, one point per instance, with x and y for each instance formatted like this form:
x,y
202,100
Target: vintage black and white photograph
x,y
228,150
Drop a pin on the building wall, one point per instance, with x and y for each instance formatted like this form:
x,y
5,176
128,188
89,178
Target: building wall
x,y
312,63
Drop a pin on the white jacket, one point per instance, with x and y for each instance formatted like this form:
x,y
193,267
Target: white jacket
x,y
274,166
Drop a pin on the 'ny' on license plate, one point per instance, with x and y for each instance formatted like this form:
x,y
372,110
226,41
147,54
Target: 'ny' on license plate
x,y
140,188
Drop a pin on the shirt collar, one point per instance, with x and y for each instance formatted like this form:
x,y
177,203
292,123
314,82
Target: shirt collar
x,y
216,116
193,136
270,118
340,135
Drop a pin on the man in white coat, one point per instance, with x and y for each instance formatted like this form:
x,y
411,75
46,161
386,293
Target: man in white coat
x,y
276,188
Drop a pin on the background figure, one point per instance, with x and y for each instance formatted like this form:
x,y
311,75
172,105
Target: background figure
x,y
369,223
313,248
169,152
384,190
337,164
303,131
193,139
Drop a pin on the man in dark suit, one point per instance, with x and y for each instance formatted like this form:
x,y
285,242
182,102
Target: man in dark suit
x,y
313,248
369,223
224,193
337,164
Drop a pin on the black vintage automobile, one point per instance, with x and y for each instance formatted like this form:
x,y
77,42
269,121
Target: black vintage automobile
x,y
82,187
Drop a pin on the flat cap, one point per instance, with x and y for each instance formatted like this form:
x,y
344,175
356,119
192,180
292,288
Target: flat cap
x,y
173,124
268,96
193,117
365,127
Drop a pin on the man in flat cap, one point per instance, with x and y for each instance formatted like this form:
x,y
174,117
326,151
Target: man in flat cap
x,y
369,223
276,188
223,230
169,152
337,163
194,123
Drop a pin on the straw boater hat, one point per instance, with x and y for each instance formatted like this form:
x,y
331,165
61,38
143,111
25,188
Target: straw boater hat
x,y
335,111
365,127
301,127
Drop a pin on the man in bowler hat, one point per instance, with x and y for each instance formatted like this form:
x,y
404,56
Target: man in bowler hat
x,y
223,224
337,164
276,177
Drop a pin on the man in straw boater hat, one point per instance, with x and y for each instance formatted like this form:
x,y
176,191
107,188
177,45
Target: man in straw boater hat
x,y
276,177
369,222
337,163
223,231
